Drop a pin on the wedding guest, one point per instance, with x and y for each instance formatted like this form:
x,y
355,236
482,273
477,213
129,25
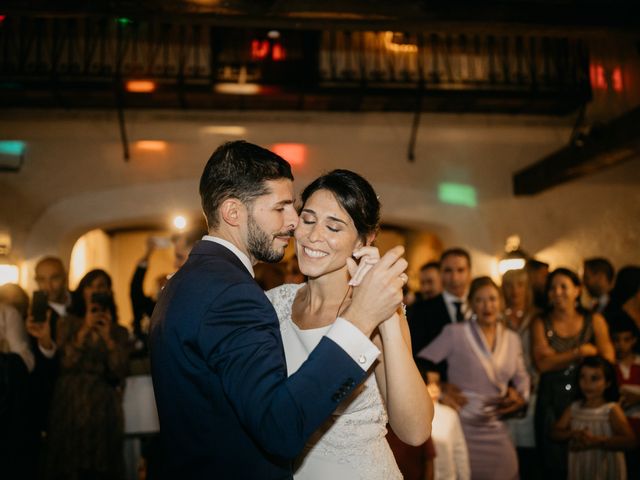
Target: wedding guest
x,y
625,299
142,305
430,283
16,361
598,275
625,336
94,281
595,426
538,272
485,362
518,316
14,295
51,278
561,338
86,423
13,336
452,457
427,318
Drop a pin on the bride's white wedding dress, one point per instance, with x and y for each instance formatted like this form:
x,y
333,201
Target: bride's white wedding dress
x,y
351,444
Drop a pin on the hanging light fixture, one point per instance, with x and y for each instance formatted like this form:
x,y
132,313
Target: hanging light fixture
x,y
514,258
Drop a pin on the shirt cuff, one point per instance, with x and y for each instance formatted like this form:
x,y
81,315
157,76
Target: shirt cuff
x,y
355,343
48,352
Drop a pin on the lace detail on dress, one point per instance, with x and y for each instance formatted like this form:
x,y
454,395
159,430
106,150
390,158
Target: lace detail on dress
x,y
354,436
282,298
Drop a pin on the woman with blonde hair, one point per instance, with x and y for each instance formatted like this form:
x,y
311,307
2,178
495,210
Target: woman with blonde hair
x,y
519,313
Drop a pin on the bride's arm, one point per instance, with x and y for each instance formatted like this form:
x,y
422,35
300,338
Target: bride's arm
x,y
408,403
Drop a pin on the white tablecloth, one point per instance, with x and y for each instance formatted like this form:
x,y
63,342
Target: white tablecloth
x,y
139,404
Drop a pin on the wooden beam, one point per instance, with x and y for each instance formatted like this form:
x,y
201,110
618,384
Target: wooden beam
x,y
604,147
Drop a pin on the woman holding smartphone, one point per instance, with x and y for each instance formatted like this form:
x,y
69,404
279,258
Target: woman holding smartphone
x,y
86,419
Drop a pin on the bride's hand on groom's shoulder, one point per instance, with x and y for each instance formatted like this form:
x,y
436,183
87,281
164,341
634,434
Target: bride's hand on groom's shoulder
x,y
379,293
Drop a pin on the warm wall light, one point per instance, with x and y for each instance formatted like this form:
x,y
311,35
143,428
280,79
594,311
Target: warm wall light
x,y
394,41
225,130
179,222
507,264
237,88
294,153
151,145
514,258
140,86
9,273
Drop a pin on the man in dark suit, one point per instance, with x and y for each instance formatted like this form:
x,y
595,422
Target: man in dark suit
x,y
51,278
227,409
427,318
598,278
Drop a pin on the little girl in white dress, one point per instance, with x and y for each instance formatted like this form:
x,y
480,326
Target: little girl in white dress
x,y
595,425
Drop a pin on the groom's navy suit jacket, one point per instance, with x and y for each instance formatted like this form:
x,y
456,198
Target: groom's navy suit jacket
x,y
227,409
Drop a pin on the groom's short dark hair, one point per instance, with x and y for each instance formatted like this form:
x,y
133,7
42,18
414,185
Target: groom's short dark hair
x,y
238,170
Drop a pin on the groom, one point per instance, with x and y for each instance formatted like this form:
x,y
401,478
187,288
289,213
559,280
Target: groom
x,y
227,409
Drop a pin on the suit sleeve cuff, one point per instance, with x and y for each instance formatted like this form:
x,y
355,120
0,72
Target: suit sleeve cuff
x,y
354,343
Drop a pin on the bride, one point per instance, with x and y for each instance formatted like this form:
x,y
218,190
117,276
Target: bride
x,y
339,218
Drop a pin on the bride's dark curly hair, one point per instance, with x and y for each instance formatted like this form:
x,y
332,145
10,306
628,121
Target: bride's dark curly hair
x,y
354,194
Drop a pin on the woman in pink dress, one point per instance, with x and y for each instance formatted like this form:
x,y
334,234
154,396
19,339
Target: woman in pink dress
x,y
485,362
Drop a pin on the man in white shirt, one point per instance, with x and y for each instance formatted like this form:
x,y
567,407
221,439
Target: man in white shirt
x,y
51,278
427,318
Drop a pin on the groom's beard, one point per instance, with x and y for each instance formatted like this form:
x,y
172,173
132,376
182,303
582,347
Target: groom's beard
x,y
260,243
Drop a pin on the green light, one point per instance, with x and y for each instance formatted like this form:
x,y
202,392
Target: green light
x,y
12,147
124,21
457,194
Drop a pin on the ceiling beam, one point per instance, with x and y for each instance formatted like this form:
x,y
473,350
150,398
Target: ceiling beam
x,y
542,16
604,147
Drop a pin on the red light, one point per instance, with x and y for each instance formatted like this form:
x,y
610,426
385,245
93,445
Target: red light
x,y
294,153
2,17
278,53
597,77
616,80
259,49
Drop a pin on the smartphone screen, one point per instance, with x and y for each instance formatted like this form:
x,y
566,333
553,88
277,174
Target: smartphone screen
x,y
39,306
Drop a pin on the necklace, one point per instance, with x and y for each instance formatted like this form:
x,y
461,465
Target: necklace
x,y
346,295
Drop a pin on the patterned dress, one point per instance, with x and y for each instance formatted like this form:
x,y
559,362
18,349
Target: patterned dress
x,y
86,421
556,391
595,464
351,444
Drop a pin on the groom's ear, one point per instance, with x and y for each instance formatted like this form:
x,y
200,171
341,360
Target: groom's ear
x,y
232,212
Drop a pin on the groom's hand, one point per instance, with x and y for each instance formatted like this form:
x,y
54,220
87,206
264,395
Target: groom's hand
x,y
380,292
